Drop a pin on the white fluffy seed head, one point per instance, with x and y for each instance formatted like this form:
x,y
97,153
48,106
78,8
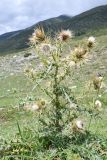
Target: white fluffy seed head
x,y
46,48
73,106
100,78
91,39
98,105
34,107
65,34
79,124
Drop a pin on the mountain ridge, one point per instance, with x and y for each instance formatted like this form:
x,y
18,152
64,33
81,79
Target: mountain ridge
x,y
88,21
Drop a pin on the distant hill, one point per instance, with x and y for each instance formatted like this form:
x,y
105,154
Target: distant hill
x,y
89,21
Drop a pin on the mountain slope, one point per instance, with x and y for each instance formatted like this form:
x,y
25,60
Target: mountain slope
x,y
91,20
13,41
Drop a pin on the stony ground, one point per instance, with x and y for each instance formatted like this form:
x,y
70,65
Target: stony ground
x,y
15,63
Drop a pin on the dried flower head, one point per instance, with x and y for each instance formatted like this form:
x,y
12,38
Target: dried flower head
x,y
37,36
78,126
31,107
91,42
98,105
73,106
78,54
46,48
64,35
35,107
41,104
97,81
32,40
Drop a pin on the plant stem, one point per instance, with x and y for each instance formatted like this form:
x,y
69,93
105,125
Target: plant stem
x,y
57,101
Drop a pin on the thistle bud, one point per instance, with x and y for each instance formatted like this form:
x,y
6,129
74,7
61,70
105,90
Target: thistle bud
x,y
35,107
41,103
91,42
98,105
78,126
37,36
78,54
97,81
64,35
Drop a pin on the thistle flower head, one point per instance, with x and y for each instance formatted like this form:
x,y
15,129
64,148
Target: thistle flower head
x,y
91,41
32,40
97,81
100,76
46,48
98,105
37,36
64,35
41,103
78,54
78,125
35,107
31,107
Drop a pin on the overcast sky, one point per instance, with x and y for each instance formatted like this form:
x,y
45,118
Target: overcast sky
x,y
19,14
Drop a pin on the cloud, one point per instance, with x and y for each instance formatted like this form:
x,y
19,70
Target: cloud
x,y
19,14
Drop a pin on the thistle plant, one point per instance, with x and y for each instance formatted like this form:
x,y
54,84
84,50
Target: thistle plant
x,y
58,68
61,131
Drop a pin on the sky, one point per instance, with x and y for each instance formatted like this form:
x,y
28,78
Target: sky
x,y
20,14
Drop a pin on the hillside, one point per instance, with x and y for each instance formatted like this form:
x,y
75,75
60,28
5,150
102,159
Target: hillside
x,y
89,21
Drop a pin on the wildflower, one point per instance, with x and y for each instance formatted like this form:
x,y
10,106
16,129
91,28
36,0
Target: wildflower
x,y
65,35
78,126
35,107
32,40
78,54
97,81
46,48
37,36
41,104
98,105
91,41
73,106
